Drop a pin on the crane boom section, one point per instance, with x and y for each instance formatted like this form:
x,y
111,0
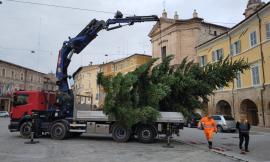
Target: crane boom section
x,y
78,43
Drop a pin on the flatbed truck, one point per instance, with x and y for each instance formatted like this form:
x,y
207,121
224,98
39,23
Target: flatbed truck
x,y
58,114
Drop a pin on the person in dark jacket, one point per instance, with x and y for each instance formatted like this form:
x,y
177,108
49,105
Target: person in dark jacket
x,y
243,128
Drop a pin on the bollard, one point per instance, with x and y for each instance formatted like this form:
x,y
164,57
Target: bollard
x,y
32,134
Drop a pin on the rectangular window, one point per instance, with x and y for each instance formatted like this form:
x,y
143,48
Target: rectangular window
x,y
217,55
163,52
202,61
238,80
236,48
255,75
253,39
22,76
268,31
12,74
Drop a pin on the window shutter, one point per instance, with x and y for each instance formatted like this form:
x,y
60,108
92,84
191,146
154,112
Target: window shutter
x,y
239,46
231,50
213,56
268,31
221,54
255,37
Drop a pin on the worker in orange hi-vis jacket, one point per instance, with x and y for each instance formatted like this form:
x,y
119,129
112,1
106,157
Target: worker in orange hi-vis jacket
x,y
210,127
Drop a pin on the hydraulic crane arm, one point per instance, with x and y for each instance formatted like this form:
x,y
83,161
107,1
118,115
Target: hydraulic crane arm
x,y
75,45
78,43
118,19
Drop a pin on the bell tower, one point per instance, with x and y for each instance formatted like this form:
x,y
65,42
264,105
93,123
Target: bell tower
x,y
253,6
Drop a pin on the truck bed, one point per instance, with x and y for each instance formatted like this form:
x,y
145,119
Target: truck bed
x,y
166,117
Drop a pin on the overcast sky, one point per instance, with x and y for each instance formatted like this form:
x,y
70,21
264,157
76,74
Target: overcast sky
x,y
25,28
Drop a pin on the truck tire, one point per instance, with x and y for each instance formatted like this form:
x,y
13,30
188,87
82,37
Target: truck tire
x,y
25,129
120,133
146,134
58,131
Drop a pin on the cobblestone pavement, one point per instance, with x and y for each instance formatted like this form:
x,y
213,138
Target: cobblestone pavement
x,y
97,149
227,143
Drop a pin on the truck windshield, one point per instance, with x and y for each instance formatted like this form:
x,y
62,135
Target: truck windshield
x,y
20,99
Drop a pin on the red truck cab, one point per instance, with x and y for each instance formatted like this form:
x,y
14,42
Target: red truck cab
x,y
24,102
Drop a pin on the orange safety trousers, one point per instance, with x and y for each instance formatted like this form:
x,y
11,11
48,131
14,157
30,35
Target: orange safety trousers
x,y
209,134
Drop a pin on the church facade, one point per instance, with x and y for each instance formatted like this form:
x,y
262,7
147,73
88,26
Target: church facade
x,y
179,37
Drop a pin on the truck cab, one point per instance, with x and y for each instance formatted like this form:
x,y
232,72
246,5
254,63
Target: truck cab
x,y
25,102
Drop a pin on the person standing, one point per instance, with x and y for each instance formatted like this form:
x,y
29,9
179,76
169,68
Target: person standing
x,y
243,128
209,127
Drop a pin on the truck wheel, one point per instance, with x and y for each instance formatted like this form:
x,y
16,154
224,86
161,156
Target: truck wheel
x,y
58,131
25,129
146,134
120,133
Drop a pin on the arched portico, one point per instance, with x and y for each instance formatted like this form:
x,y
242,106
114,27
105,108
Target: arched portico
x,y
250,110
223,108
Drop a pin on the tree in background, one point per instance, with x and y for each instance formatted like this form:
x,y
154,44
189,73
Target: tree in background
x,y
138,96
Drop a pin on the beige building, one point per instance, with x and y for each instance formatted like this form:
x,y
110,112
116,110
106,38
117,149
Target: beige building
x,y
85,86
14,77
179,37
49,83
85,78
123,66
249,95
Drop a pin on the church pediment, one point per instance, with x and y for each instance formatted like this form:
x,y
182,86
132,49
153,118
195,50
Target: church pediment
x,y
164,23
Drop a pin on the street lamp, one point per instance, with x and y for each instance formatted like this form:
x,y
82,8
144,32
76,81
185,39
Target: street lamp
x,y
106,58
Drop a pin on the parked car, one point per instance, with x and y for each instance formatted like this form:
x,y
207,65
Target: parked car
x,y
4,114
193,120
225,123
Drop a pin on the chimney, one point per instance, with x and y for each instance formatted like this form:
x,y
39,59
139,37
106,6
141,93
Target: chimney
x,y
164,14
195,14
176,16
